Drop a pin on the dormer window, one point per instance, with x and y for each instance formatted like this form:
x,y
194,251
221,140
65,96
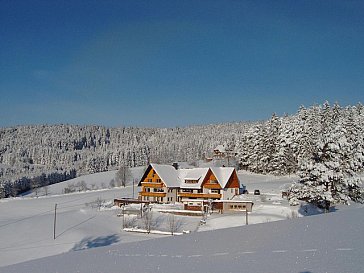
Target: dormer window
x,y
190,181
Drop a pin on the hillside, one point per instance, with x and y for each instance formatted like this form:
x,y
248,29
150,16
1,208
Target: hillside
x,y
32,156
325,243
26,223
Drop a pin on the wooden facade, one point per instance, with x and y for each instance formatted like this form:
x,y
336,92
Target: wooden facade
x,y
210,181
200,195
203,184
152,187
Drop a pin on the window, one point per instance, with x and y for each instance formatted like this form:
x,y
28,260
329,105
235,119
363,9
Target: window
x,y
215,191
213,181
159,180
190,181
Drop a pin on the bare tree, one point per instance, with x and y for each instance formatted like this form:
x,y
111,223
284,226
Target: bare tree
x,y
96,203
46,190
123,175
99,202
173,223
35,186
129,221
148,219
82,186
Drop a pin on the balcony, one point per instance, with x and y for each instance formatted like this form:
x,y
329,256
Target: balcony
x,y
212,186
152,184
200,195
152,194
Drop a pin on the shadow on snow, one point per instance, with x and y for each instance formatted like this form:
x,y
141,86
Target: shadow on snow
x,y
309,209
90,242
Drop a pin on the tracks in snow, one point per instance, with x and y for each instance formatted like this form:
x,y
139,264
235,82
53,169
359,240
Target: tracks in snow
x,y
217,254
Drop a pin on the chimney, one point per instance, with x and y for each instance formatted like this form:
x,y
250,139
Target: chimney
x,y
175,165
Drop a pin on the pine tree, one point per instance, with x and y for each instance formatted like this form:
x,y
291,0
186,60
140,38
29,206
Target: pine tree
x,y
329,176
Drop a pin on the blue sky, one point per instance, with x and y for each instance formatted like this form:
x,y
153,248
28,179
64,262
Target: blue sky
x,y
176,63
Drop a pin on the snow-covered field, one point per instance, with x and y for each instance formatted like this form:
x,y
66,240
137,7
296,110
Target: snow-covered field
x,y
26,223
326,243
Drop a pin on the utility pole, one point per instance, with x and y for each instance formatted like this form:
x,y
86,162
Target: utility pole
x,y
124,182
123,215
55,221
133,188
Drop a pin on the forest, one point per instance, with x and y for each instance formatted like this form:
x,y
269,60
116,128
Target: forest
x,y
39,155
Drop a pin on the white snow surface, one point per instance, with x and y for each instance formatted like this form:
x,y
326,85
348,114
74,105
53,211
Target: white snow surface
x,y
325,243
96,181
26,224
168,174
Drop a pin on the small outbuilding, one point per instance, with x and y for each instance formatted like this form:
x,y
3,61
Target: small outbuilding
x,y
232,205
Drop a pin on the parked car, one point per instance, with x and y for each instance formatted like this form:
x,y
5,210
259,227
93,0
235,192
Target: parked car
x,y
256,192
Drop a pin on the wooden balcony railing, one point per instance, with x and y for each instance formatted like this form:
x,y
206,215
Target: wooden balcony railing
x,y
200,195
152,194
152,184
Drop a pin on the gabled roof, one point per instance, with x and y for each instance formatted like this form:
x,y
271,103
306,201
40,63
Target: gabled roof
x,y
198,174
220,148
173,178
222,174
168,174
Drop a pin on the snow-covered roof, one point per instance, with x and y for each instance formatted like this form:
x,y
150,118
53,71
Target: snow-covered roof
x,y
198,174
220,148
177,178
168,174
222,174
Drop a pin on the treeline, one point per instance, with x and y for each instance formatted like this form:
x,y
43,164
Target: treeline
x,y
276,146
24,184
281,144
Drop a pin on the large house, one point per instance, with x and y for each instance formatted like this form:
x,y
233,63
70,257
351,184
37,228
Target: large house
x,y
165,184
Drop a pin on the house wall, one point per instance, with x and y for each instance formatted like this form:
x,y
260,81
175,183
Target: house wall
x,y
171,195
193,205
152,176
210,181
238,206
153,188
228,193
210,185
233,181
232,187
